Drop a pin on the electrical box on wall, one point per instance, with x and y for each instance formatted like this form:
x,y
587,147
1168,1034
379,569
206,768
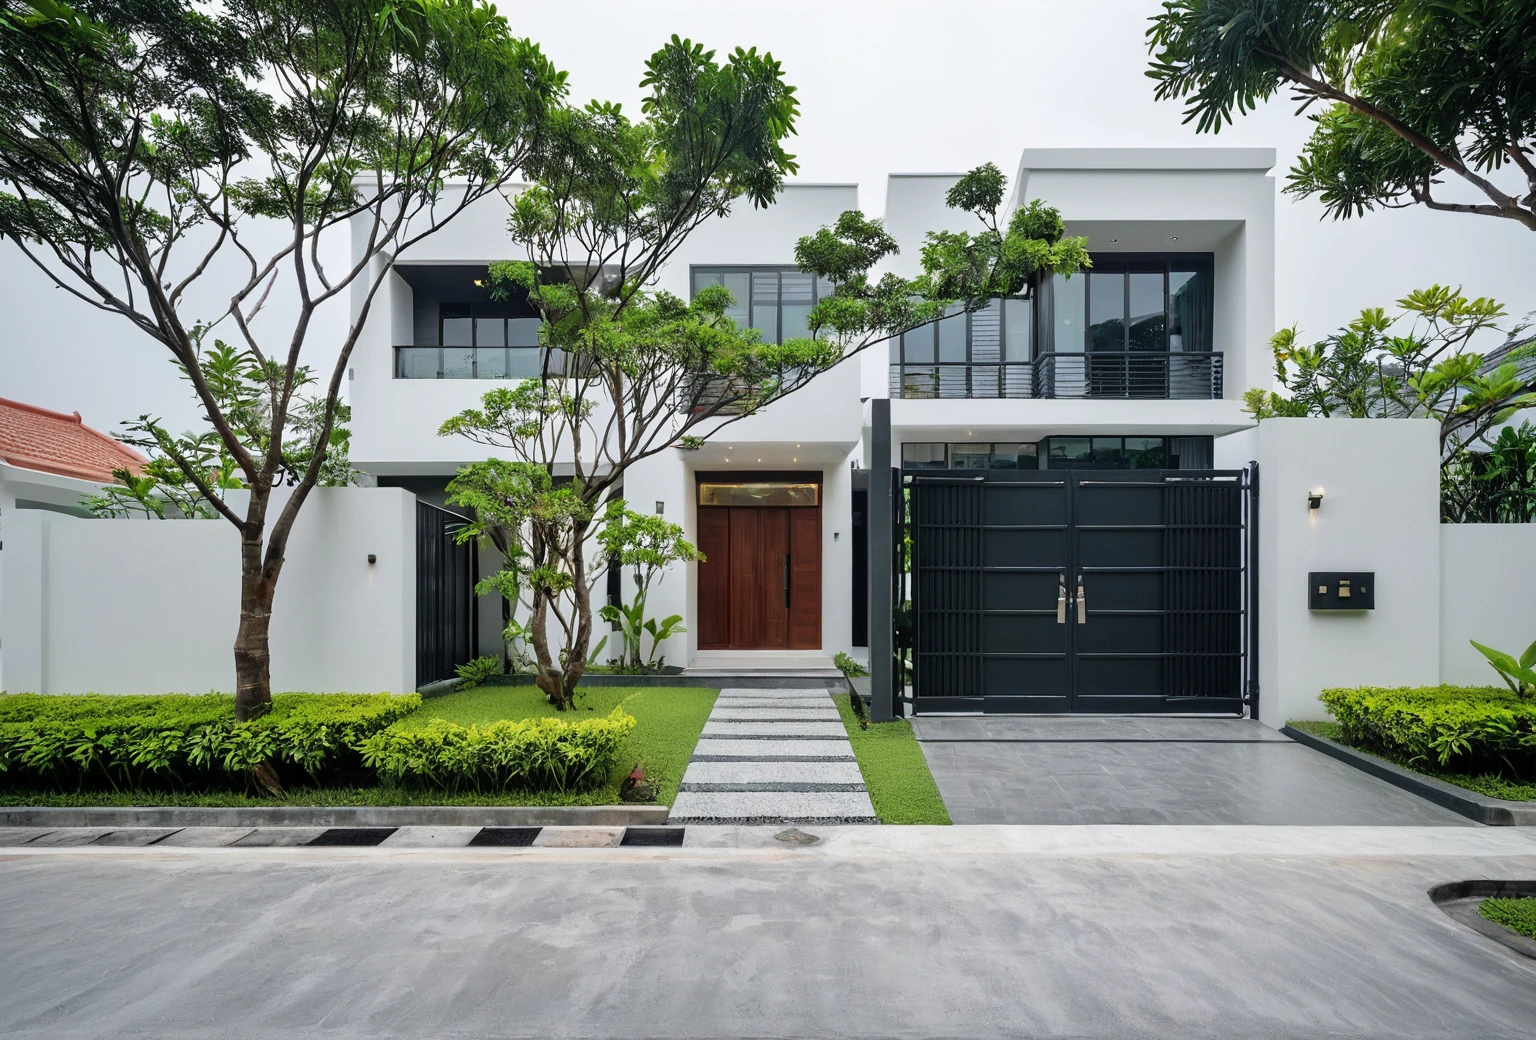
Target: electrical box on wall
x,y
1341,590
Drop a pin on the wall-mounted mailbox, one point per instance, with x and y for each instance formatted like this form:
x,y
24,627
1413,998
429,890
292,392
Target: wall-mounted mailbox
x,y
1341,590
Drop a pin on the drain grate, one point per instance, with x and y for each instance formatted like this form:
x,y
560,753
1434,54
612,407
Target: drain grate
x,y
652,836
352,836
506,836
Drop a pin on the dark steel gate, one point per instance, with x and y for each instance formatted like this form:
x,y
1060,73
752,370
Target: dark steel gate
x,y
445,595
1072,591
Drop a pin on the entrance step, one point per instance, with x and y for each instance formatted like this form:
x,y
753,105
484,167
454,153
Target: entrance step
x,y
773,757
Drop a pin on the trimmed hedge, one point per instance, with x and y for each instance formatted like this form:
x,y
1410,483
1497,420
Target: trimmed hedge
x,y
1473,728
184,742
539,753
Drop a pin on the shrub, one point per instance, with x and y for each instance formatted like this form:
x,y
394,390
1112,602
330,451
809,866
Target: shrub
x,y
1472,728
540,753
184,742
473,673
848,666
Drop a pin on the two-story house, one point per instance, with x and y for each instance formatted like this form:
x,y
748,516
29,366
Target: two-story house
x,y
1138,364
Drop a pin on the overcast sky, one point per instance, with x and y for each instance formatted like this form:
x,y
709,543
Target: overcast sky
x,y
884,88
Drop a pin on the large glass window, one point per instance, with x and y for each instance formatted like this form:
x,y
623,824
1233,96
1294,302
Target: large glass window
x,y
775,301
480,341
966,354
1091,452
1151,303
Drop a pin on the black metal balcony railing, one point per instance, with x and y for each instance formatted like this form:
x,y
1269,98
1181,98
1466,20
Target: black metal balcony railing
x,y
1177,376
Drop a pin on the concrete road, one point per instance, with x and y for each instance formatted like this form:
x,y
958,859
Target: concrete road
x,y
1122,932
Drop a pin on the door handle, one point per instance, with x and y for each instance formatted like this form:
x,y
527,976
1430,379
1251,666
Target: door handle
x,y
786,582
1082,603
1061,601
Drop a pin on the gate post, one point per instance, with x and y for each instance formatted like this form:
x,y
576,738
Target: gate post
x,y
881,618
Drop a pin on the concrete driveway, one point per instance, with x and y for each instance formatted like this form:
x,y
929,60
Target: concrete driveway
x,y
1087,932
1152,769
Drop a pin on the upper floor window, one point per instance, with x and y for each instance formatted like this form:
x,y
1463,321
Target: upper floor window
x,y
1144,302
776,301
976,354
478,340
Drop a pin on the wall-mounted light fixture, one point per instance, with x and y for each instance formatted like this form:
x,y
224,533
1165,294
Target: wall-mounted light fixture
x,y
661,507
372,559
1315,498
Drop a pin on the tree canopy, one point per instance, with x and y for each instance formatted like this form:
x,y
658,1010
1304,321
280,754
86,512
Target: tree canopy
x,y
143,141
1413,92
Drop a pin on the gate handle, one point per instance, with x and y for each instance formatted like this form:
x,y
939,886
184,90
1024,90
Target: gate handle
x,y
1082,603
786,582
1061,600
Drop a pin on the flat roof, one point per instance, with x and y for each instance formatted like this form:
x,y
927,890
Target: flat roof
x,y
1147,159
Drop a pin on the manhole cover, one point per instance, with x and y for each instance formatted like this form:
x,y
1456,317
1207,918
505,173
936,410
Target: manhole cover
x,y
795,836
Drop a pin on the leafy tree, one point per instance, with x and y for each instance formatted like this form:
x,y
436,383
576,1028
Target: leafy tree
x,y
629,371
648,545
244,388
1414,91
1496,486
1415,363
143,141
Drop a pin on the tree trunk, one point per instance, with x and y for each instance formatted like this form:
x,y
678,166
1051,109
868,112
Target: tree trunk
x,y
258,584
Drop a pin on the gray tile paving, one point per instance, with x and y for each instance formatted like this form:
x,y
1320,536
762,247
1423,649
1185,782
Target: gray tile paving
x,y
1169,782
773,713
774,772
774,729
724,747
774,807
783,758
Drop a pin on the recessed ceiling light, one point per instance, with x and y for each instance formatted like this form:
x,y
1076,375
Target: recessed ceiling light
x,y
1173,238
1114,240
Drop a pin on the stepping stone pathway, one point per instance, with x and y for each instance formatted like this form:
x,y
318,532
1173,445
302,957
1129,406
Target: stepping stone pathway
x,y
772,757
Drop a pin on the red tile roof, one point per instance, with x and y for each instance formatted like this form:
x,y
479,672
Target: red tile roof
x,y
53,442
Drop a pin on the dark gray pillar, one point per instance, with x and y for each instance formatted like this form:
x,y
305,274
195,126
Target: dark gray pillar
x,y
882,683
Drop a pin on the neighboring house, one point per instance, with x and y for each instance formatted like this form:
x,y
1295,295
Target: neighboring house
x,y
50,460
1139,364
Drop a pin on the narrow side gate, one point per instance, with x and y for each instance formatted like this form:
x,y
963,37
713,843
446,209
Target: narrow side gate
x,y
445,595
1084,591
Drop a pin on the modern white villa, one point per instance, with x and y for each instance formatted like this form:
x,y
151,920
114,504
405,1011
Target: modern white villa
x,y
1138,365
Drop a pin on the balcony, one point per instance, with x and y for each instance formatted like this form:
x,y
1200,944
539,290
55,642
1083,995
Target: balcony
x,y
418,362
1135,375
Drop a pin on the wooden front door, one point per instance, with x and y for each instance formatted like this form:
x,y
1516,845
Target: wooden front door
x,y
760,582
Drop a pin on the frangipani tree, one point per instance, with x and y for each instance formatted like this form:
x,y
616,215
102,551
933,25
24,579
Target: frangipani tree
x,y
630,371
142,145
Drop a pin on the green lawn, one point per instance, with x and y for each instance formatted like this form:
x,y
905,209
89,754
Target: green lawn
x,y
894,769
1488,784
667,726
1515,914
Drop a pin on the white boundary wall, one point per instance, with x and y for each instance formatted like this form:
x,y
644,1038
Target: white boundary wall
x,y
151,606
1487,593
1380,512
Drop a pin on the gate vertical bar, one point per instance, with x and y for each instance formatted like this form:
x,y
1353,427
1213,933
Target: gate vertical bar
x,y
881,616
1253,589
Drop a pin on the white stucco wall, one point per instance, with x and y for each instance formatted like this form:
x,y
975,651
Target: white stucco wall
x,y
151,606
1380,512
1487,593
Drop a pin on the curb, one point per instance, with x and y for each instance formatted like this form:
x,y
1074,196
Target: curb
x,y
337,816
1494,812
1459,900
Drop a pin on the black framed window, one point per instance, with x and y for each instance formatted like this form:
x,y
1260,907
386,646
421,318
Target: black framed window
x,y
966,354
480,340
776,301
1137,302
1087,452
